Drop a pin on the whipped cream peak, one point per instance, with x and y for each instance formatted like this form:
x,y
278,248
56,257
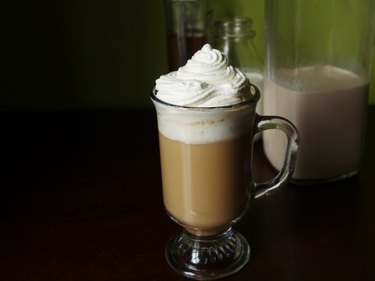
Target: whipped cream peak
x,y
207,80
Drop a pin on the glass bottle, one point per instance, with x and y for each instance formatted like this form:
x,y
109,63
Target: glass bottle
x,y
317,70
186,29
234,37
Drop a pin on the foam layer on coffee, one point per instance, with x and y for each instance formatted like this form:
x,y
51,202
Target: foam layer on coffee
x,y
205,81
202,127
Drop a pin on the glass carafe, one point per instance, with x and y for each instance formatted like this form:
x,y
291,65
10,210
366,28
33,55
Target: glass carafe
x,y
317,69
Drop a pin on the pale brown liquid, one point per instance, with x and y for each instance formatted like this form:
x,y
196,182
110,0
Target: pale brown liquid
x,y
205,186
331,123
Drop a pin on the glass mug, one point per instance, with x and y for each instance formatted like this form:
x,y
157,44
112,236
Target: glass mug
x,y
206,155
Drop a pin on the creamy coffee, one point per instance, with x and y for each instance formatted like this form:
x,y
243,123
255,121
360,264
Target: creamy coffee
x,y
205,161
205,147
205,185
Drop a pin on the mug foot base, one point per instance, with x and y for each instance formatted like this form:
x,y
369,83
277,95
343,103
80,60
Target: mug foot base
x,y
208,258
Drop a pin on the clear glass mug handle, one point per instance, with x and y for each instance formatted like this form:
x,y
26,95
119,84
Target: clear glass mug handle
x,y
263,123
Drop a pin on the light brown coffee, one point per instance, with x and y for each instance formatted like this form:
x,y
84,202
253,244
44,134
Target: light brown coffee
x,y
205,186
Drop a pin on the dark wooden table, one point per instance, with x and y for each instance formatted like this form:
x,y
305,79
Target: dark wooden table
x,y
81,200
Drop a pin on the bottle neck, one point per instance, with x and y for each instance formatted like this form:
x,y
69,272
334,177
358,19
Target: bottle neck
x,y
234,29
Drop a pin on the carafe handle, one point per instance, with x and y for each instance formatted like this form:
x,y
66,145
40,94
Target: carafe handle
x,y
263,123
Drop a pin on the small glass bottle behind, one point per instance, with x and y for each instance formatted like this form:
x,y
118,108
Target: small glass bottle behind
x,y
234,37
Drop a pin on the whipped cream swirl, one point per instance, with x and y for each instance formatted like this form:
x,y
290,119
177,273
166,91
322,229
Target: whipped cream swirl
x,y
205,81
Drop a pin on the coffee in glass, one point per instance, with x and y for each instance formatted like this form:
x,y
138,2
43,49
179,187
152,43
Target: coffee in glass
x,y
207,122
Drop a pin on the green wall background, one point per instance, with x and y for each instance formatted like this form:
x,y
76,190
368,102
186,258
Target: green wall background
x,y
92,54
